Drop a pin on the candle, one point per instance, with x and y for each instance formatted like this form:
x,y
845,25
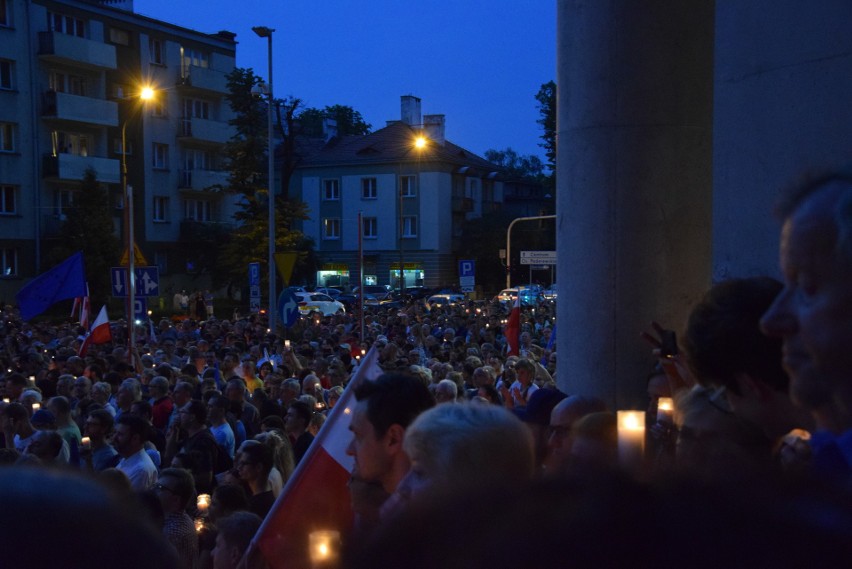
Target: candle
x,y
324,548
286,343
199,524
5,400
36,407
203,503
631,437
86,442
665,410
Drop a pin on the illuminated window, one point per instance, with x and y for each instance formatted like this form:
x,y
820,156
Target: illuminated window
x,y
330,228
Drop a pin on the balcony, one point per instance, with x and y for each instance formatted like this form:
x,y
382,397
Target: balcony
x,y
72,168
63,48
203,79
77,109
204,130
201,180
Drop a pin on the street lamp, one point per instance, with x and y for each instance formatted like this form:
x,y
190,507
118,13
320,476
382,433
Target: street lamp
x,y
145,94
419,144
264,32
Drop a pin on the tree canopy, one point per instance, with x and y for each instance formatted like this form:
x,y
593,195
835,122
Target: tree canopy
x,y
349,121
528,167
546,98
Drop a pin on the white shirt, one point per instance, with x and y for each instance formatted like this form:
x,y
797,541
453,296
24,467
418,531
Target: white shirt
x,y
140,469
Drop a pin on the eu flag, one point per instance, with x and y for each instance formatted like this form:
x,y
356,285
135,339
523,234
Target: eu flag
x,y
65,280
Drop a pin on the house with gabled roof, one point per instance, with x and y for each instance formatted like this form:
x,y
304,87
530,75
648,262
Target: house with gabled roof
x,y
406,201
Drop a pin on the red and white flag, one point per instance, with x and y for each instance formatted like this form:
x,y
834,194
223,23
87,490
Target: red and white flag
x,y
81,303
513,328
317,495
100,334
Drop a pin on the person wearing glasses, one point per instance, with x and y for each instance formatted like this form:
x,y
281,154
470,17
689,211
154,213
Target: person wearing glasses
x,y
175,489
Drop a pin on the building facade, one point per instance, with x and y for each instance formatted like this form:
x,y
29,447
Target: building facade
x,y
413,202
70,77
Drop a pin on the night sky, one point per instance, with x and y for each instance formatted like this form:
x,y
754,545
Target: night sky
x,y
478,62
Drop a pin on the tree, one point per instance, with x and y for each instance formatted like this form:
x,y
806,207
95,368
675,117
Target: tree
x,y
89,227
527,167
248,164
546,98
349,121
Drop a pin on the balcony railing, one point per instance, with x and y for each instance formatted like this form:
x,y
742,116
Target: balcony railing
x,y
73,167
204,130
75,108
203,78
64,48
200,180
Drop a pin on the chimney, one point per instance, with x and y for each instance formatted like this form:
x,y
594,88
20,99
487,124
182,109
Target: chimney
x,y
433,125
329,129
410,110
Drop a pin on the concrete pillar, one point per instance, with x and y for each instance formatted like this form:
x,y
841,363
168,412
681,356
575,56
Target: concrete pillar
x,y
634,183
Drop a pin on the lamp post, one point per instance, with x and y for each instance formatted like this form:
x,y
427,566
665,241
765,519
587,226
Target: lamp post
x,y
146,94
264,32
419,145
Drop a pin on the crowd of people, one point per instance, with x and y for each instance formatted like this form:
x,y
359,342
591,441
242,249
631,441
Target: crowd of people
x,y
466,455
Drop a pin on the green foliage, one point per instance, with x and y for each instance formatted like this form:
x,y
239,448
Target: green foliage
x,y
526,167
89,227
349,121
546,98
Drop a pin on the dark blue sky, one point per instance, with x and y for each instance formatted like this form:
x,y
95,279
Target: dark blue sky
x,y
479,62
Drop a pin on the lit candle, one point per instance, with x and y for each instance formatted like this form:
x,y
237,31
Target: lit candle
x,y
631,437
199,524
324,548
86,442
286,343
203,503
665,410
5,400
36,407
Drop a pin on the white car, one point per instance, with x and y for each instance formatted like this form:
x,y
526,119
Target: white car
x,y
445,299
318,303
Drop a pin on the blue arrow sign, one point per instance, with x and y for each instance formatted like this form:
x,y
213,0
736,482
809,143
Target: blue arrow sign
x,y
288,304
147,281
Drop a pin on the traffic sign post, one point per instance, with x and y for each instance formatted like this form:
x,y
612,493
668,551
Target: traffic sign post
x,y
147,281
538,257
288,304
467,275
254,287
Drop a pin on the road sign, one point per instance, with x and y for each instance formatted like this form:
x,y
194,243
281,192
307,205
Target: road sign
x,y
254,274
140,309
254,287
288,304
147,281
467,268
540,267
538,257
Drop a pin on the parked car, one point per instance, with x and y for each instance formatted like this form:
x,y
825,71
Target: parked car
x,y
379,291
318,303
549,293
444,299
332,292
529,297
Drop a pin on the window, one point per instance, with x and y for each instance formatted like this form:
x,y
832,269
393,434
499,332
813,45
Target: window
x,y
121,37
370,228
330,228
7,200
158,107
198,210
161,156
407,186
64,200
7,137
196,160
368,188
5,13
196,108
7,75
67,83
331,189
65,142
161,208
194,57
66,24
9,262
155,47
409,226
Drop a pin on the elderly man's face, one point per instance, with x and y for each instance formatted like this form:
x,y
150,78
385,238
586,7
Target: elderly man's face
x,y
813,313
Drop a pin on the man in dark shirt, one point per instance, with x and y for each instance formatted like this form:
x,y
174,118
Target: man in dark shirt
x,y
296,423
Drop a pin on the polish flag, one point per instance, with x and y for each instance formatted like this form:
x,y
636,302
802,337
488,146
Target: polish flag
x,y
513,328
81,303
317,496
100,333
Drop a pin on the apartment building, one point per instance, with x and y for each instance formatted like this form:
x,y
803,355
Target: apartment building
x,y
413,201
70,77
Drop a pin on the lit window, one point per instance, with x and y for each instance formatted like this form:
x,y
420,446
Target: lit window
x,y
330,228
368,188
370,228
331,189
